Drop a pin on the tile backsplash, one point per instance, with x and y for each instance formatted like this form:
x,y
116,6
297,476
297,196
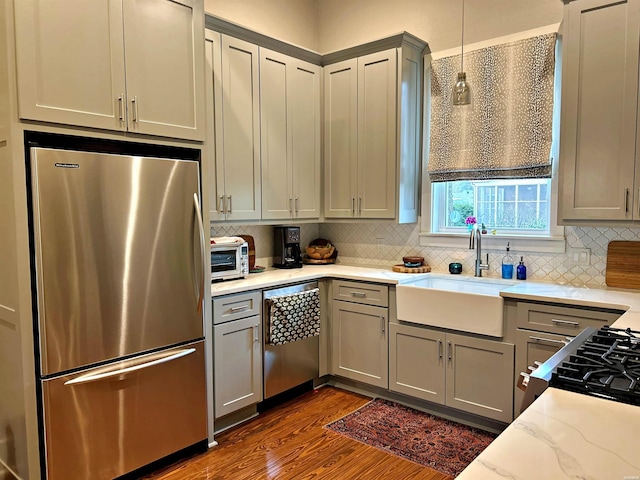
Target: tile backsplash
x,y
386,243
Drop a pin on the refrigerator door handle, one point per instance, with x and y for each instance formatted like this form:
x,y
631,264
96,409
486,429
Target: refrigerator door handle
x,y
196,205
92,377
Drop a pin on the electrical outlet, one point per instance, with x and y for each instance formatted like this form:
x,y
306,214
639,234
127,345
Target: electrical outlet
x,y
580,256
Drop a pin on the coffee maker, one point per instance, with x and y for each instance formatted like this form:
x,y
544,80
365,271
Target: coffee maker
x,y
286,242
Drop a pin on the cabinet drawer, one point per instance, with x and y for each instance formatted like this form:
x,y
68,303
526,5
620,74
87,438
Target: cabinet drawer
x,y
562,320
233,307
357,292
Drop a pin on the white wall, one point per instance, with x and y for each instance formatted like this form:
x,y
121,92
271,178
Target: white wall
x,y
292,21
344,23
329,25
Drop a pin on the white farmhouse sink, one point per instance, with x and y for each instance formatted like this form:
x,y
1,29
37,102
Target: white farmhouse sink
x,y
466,304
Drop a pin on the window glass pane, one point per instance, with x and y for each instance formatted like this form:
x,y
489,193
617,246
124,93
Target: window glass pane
x,y
509,206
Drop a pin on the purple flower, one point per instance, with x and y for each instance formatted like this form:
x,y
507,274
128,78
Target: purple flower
x,y
470,220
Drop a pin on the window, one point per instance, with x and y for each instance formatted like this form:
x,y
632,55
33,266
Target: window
x,y
510,207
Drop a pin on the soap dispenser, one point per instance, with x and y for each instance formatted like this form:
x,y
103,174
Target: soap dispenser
x,y
507,265
521,271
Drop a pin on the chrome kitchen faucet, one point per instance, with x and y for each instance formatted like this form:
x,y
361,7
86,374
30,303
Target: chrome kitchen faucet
x,y
475,238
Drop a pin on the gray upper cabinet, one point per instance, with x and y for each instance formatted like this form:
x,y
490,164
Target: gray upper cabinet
x,y
600,44
135,66
290,136
233,128
372,135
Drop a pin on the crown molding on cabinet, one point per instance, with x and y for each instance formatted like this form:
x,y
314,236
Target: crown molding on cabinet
x,y
242,33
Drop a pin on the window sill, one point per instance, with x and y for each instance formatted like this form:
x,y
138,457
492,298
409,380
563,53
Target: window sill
x,y
519,243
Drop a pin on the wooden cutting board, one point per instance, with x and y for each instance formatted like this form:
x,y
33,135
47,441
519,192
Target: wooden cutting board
x,y
402,269
623,265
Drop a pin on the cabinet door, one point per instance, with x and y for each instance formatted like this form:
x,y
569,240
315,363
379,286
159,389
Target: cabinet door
x,y
213,143
340,139
240,129
276,135
164,41
237,365
377,135
70,61
360,343
304,110
416,362
599,103
533,346
480,376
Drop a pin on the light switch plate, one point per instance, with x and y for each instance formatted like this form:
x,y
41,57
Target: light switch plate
x,y
579,257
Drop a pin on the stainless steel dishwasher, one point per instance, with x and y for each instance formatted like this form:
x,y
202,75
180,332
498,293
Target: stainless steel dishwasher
x,y
294,363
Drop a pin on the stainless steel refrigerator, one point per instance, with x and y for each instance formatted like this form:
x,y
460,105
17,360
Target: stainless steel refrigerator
x,y
119,275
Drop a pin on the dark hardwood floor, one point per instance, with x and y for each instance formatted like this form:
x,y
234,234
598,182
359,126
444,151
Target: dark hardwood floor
x,y
289,442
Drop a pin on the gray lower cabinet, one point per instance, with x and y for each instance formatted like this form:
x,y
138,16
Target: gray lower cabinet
x,y
359,341
237,354
467,373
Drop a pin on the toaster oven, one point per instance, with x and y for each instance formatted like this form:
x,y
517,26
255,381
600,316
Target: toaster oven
x,y
229,258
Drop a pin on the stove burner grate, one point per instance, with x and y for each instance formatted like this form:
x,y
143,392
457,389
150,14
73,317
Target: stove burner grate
x,y
606,365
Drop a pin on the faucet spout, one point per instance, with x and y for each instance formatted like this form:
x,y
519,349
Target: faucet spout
x,y
475,242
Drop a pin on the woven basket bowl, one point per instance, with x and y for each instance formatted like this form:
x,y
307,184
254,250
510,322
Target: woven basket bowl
x,y
320,253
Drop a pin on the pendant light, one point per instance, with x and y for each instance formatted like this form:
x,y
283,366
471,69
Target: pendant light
x,y
461,94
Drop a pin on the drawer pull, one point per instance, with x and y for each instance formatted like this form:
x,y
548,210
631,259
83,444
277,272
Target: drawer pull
x,y
450,348
255,333
383,323
440,352
359,294
565,322
239,309
540,339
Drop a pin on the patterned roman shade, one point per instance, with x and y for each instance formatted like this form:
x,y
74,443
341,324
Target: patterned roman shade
x,y
506,131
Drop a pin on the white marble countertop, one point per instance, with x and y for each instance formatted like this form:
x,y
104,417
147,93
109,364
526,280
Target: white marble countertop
x,y
276,276
564,435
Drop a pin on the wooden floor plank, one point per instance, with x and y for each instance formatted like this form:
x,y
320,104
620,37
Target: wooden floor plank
x,y
290,442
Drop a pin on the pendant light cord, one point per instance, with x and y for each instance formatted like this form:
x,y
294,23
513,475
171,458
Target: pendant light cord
x,y
462,46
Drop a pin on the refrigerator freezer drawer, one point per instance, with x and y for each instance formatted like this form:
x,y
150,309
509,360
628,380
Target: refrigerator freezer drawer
x,y
108,421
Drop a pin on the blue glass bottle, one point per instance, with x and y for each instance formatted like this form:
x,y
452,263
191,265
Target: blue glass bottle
x,y
507,265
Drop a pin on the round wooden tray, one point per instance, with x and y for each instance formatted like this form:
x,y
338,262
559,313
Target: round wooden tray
x,y
402,269
312,261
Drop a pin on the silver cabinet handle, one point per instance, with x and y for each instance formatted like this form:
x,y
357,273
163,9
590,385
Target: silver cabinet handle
x,y
450,349
440,352
120,107
565,322
229,210
353,206
221,206
196,206
290,206
540,339
255,333
383,323
297,204
240,308
359,294
626,199
134,104
359,206
92,377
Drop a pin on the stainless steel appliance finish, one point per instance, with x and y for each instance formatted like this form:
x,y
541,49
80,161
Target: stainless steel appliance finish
x,y
292,364
119,264
229,258
540,378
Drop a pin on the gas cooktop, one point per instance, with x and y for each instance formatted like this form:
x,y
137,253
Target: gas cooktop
x,y
606,365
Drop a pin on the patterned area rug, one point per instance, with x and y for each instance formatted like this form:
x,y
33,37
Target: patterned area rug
x,y
442,445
